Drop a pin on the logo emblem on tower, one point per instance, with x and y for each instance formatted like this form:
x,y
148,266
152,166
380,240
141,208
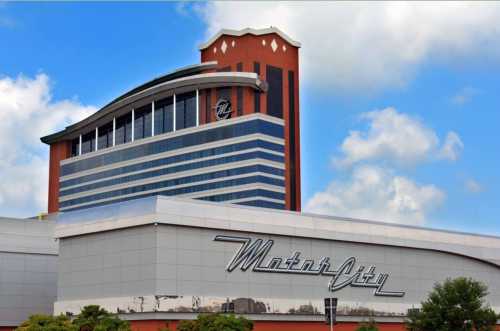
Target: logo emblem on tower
x,y
223,109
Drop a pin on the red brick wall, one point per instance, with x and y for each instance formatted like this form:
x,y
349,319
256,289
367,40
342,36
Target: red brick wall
x,y
58,151
247,50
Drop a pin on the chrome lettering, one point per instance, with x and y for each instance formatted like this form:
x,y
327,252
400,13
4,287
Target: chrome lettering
x,y
251,255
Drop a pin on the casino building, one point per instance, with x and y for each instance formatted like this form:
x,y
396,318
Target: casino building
x,y
182,196
224,130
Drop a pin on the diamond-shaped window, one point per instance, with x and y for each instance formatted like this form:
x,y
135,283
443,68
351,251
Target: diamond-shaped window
x,y
223,47
274,45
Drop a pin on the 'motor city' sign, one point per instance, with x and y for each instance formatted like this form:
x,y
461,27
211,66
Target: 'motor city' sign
x,y
253,253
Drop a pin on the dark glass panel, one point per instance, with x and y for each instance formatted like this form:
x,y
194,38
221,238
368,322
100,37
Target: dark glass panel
x,y
191,166
225,197
191,139
292,140
179,114
256,94
105,136
274,77
168,123
176,191
185,110
138,126
123,131
239,100
75,146
164,115
142,122
88,142
159,121
208,103
190,112
184,157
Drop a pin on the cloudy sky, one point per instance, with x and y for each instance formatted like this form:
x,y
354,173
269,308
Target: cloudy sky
x,y
400,109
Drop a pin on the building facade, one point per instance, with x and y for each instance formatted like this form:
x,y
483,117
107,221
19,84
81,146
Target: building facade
x,y
226,129
28,270
160,259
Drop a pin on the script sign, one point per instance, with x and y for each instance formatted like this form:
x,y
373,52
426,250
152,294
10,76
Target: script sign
x,y
253,254
223,109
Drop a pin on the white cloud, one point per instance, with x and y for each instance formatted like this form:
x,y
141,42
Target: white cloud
x,y
396,137
376,194
366,46
473,186
28,112
452,147
464,96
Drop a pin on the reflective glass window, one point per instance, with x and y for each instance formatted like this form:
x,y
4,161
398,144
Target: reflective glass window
x,y
105,136
75,146
123,132
164,116
185,110
142,122
88,142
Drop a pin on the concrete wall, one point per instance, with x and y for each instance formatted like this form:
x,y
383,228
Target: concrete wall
x,y
185,269
28,269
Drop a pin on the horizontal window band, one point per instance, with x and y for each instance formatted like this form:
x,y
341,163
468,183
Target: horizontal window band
x,y
171,160
262,204
241,194
274,160
272,192
237,201
217,170
278,143
175,191
178,142
235,189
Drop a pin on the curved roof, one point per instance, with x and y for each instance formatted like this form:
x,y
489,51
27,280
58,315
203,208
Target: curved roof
x,y
255,32
184,78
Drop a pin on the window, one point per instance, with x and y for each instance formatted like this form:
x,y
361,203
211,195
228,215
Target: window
x,y
292,141
142,122
123,132
185,110
274,77
173,143
208,104
88,142
164,115
256,94
105,136
75,146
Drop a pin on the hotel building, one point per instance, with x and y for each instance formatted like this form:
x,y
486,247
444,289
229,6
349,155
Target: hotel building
x,y
225,130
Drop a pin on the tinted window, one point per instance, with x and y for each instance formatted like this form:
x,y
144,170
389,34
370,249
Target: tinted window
x,y
191,139
208,103
123,132
105,136
142,122
75,146
88,142
292,142
256,94
182,158
185,110
274,77
164,115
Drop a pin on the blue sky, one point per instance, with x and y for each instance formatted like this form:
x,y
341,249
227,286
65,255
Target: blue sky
x,y
400,107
